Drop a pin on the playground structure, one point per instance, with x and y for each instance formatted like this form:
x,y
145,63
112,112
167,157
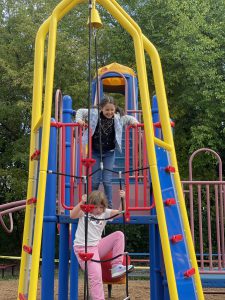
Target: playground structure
x,y
210,262
183,279
167,229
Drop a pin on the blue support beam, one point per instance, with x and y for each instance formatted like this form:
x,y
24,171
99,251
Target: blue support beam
x,y
49,228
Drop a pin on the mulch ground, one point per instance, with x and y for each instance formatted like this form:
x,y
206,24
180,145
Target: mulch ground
x,y
138,289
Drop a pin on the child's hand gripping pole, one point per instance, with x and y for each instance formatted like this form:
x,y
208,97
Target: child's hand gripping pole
x,y
122,198
126,215
122,194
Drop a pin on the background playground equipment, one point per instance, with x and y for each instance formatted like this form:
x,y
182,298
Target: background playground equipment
x,y
7,210
205,200
180,276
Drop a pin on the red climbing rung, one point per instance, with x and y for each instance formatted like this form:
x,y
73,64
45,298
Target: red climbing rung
x,y
85,256
87,207
189,272
176,238
57,124
88,162
35,155
22,297
27,249
158,124
170,201
31,200
170,169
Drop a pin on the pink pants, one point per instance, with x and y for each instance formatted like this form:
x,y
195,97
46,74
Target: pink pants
x,y
113,242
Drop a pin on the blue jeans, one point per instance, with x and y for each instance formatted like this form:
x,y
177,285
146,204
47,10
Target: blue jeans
x,y
106,176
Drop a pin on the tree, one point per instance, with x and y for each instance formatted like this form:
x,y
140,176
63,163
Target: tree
x,y
189,36
18,25
190,40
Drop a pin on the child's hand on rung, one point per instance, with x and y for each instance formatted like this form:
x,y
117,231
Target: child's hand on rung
x,y
84,198
81,122
122,193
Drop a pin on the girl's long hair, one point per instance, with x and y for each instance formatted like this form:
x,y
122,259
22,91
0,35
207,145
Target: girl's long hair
x,y
98,198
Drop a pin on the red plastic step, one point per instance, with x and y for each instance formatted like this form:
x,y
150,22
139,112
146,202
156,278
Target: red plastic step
x,y
35,155
170,201
85,256
31,201
189,272
27,249
22,297
176,238
170,169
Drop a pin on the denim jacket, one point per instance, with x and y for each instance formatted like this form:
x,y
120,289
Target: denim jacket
x,y
119,122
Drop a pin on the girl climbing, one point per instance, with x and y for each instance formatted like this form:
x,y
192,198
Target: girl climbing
x,y
106,134
96,244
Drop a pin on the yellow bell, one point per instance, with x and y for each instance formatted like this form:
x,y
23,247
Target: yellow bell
x,y
95,19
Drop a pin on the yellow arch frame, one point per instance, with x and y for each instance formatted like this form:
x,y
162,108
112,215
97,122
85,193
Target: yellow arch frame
x,y
141,43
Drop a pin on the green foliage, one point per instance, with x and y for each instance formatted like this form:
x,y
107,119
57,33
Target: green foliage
x,y
190,41
189,36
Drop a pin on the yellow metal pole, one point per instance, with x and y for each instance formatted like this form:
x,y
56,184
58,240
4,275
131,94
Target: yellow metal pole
x,y
37,126
162,144
36,112
124,19
43,166
160,91
62,7
167,134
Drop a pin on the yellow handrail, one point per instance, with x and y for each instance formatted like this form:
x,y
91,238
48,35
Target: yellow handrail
x,y
149,133
167,134
162,144
38,124
36,112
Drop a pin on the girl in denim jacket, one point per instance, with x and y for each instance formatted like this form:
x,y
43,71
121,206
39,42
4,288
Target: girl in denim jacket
x,y
111,126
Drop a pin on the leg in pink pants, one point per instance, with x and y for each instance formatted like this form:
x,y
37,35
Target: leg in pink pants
x,y
113,242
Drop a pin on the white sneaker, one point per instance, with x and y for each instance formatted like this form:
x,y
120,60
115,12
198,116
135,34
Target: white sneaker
x,y
120,270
